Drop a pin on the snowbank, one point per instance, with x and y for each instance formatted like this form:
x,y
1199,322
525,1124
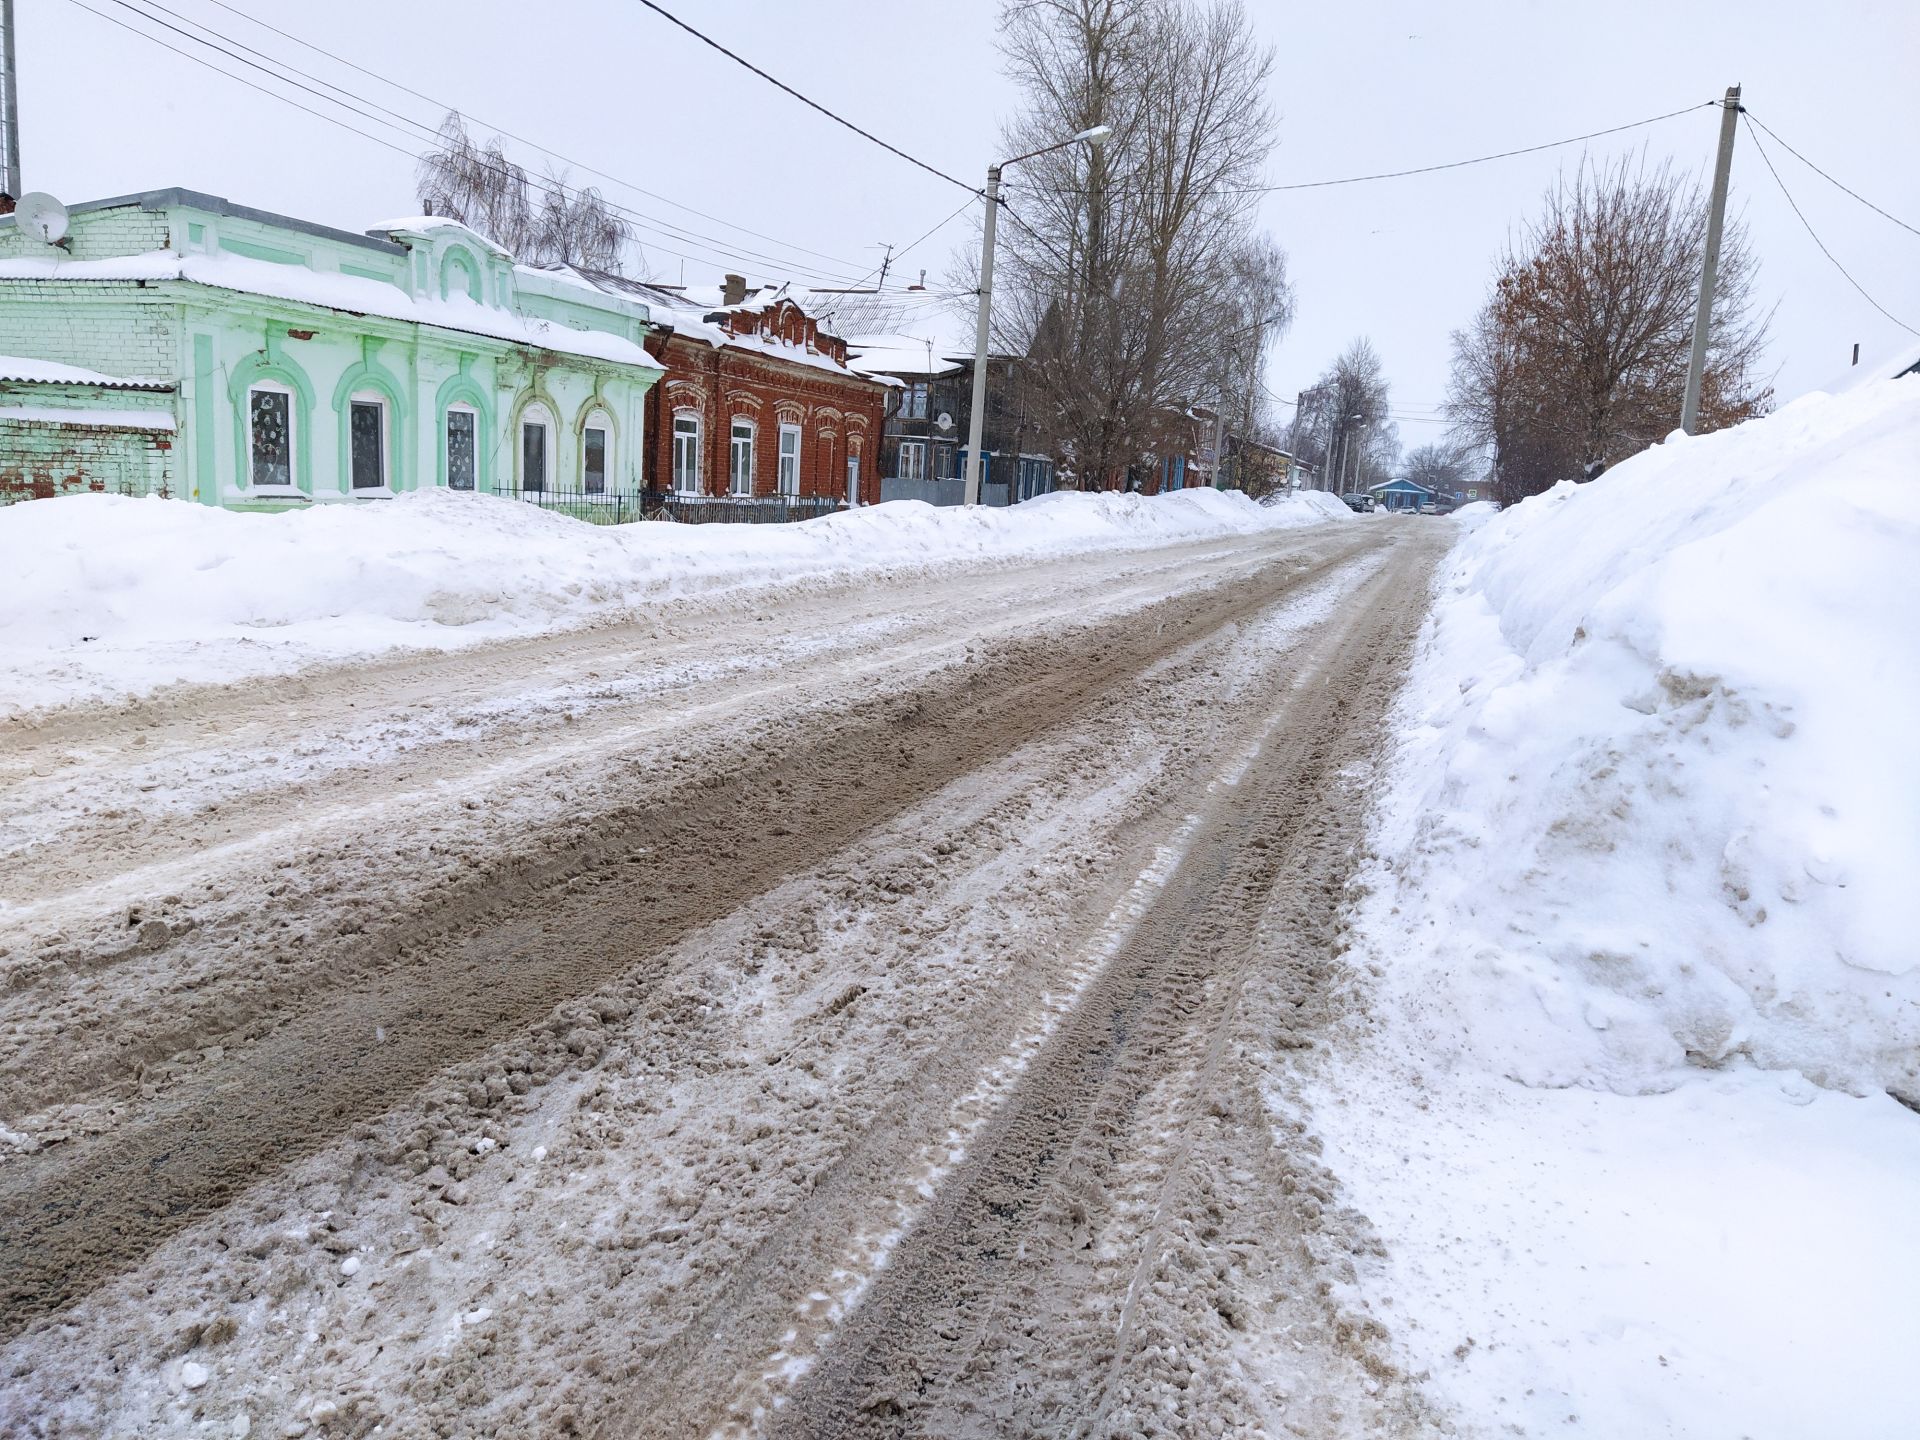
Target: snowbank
x,y
132,594
1640,950
1658,806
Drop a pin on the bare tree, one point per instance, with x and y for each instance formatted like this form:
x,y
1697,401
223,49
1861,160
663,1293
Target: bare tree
x,y
1129,272
1439,467
541,222
1342,426
1579,356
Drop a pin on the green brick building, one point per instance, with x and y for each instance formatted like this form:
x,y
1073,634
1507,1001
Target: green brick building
x,y
174,343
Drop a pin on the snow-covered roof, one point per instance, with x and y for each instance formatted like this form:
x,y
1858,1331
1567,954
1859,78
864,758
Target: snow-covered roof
x,y
921,357
1403,484
91,417
334,291
21,369
682,310
427,224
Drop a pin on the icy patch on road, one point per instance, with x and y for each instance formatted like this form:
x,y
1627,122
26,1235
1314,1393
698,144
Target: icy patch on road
x,y
131,595
1637,958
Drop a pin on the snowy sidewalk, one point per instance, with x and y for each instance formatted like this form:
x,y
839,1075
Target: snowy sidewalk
x,y
131,595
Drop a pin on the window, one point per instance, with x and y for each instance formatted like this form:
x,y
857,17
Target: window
x,y
789,459
594,459
533,454
367,443
686,454
463,454
853,479
943,462
740,465
914,406
913,459
270,436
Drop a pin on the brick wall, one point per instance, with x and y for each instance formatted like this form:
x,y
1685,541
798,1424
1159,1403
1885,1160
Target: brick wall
x,y
92,234
39,460
118,329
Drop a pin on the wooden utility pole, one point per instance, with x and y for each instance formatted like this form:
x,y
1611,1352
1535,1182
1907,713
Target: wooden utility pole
x,y
1710,262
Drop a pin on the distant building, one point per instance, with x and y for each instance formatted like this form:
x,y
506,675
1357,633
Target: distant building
x,y
1401,495
233,357
929,409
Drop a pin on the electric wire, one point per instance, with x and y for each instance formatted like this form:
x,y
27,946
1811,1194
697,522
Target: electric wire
x,y
708,40
524,140
1415,170
728,254
1771,170
665,229
1756,120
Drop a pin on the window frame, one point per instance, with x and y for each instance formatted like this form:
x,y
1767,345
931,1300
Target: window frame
x,y
535,413
742,436
383,484
292,484
460,407
597,419
918,469
782,457
692,435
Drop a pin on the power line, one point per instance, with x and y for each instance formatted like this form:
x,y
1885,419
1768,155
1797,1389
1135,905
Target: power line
x,y
730,254
522,139
1821,243
1756,120
804,100
1418,169
663,228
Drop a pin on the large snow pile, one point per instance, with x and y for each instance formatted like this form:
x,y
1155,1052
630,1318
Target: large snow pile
x,y
128,594
1662,801
1639,949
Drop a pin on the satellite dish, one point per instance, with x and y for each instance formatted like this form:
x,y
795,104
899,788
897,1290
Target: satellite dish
x,y
38,213
945,422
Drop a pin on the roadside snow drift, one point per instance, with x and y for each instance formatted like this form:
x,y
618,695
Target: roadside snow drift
x,y
1639,950
127,595
1660,802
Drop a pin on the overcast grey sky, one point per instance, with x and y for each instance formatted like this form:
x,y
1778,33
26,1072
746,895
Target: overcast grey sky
x,y
1360,88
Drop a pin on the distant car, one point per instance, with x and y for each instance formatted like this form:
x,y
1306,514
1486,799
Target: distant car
x,y
1357,501
1427,507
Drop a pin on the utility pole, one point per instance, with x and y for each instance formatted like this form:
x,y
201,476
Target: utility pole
x,y
977,420
1219,439
9,110
1710,261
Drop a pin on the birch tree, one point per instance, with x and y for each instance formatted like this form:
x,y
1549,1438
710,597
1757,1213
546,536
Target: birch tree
x,y
541,222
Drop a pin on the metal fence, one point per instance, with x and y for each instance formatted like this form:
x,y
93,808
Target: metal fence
x,y
595,507
940,492
741,509
612,508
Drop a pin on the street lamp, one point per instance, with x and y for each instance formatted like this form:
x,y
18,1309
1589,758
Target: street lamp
x,y
1346,450
976,422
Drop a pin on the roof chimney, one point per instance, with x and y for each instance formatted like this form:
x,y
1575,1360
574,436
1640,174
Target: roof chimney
x,y
733,289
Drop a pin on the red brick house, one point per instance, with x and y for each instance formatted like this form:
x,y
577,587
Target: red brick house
x,y
757,400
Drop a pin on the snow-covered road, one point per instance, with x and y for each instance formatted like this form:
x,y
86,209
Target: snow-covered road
x,y
676,1027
